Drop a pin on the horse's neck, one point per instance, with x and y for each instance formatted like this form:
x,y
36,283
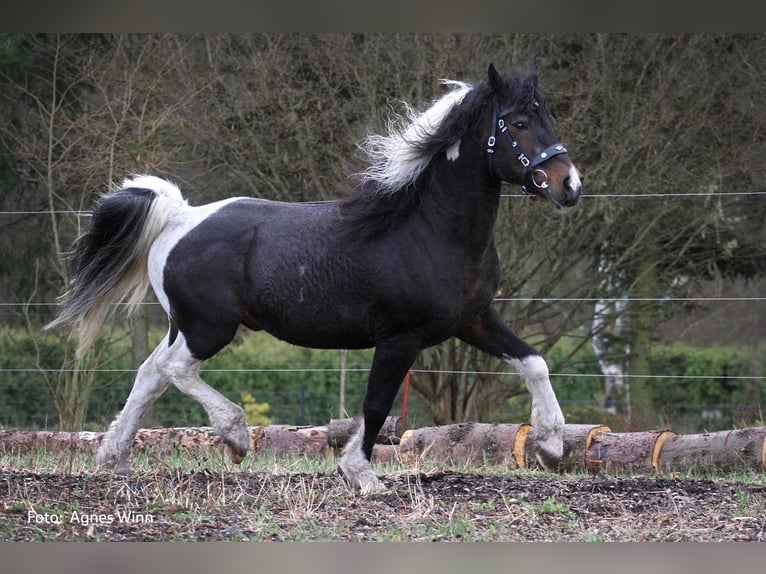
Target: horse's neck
x,y
466,200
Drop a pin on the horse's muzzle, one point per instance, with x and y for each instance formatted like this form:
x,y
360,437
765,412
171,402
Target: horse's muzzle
x,y
569,193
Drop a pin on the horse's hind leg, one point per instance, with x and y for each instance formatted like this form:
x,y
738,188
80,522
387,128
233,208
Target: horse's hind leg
x,y
490,334
171,363
228,419
150,383
389,366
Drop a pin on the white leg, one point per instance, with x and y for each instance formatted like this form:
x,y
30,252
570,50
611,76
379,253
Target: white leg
x,y
114,451
547,419
356,468
228,419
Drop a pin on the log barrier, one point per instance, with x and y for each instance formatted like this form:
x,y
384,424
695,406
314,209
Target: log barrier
x,y
592,448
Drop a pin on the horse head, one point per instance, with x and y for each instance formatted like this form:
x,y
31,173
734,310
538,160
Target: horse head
x,y
523,146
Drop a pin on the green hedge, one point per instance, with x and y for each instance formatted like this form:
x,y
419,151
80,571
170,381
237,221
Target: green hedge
x,y
694,389
709,401
301,386
714,389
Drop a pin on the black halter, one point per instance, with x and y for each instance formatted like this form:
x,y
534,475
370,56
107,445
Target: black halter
x,y
530,166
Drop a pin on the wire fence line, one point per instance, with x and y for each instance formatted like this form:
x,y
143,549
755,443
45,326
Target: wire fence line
x,y
88,213
366,370
303,369
654,195
497,300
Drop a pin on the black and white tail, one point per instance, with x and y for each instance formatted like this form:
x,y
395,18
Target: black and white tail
x,y
109,261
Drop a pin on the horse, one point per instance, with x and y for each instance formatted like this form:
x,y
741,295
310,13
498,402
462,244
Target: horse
x,y
405,260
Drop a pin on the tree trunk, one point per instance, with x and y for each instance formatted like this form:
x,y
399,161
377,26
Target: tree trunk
x,y
139,336
642,414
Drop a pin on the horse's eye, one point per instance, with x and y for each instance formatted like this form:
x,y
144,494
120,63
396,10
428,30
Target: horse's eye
x,y
521,126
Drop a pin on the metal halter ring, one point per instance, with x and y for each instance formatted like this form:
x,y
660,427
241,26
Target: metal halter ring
x,y
544,184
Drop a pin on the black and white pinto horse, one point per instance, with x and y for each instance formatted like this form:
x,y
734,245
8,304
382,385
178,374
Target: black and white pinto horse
x,y
405,261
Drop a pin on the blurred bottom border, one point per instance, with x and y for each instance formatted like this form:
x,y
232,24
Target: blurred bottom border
x,y
381,558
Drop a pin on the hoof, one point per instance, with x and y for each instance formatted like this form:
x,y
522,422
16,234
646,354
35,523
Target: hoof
x,y
236,441
364,483
548,461
109,459
114,466
236,454
548,452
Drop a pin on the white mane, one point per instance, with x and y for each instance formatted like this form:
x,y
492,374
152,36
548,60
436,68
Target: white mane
x,y
395,160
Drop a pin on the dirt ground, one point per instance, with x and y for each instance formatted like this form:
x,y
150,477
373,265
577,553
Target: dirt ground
x,y
171,504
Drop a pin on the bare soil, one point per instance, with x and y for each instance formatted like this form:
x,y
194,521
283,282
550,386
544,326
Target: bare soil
x,y
171,504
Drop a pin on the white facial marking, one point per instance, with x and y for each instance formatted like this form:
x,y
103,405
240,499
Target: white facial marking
x,y
574,178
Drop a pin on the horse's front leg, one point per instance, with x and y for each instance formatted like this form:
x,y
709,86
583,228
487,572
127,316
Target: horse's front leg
x,y
390,364
490,334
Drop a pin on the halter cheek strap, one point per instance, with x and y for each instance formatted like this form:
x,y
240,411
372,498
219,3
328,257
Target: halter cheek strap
x,y
530,166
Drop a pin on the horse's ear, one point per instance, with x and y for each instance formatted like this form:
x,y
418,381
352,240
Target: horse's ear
x,y
495,81
534,74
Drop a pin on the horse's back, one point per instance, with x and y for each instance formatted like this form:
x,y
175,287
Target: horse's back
x,y
268,265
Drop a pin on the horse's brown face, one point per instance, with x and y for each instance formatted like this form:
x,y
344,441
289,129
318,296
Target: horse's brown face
x,y
523,146
555,178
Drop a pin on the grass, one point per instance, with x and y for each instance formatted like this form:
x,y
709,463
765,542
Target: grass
x,y
204,496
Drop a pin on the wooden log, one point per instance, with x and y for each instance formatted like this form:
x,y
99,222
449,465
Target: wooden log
x,y
384,453
626,452
290,440
340,431
593,447
23,441
716,452
475,443
577,440
280,439
187,439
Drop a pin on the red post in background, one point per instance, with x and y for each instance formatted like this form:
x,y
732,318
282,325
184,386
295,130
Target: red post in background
x,y
406,397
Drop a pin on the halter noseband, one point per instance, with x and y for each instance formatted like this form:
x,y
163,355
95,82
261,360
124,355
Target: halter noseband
x,y
530,166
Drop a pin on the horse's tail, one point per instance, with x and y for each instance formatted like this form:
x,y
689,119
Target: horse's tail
x,y
109,261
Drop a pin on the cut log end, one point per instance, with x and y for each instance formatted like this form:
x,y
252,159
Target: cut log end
x,y
520,445
663,437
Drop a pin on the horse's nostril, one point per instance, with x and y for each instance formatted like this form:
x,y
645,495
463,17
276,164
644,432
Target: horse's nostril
x,y
575,185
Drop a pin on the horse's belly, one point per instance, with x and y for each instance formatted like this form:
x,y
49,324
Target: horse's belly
x,y
301,316
320,333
